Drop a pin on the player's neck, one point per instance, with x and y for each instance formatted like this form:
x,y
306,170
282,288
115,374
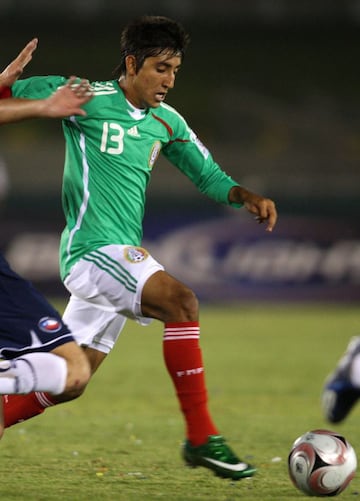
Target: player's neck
x,y
132,101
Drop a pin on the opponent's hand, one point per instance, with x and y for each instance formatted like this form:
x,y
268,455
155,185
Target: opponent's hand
x,y
263,208
68,100
13,71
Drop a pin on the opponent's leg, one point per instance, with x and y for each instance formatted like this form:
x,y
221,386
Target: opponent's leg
x,y
342,388
74,363
31,372
65,369
94,327
2,424
19,408
91,326
37,350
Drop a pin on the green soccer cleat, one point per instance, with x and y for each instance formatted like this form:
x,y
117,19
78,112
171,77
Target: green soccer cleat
x,y
216,455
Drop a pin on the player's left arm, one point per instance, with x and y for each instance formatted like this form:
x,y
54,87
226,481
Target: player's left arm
x,y
263,208
196,162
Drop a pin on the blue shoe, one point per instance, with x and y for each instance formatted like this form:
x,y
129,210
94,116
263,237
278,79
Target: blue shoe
x,y
216,455
339,394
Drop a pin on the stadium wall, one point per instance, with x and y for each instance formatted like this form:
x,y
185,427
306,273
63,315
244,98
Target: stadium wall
x,y
220,252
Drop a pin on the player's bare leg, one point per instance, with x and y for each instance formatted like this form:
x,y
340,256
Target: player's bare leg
x,y
64,369
94,359
78,367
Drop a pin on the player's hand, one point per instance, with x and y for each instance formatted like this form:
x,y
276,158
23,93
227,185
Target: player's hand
x,y
263,208
68,100
13,71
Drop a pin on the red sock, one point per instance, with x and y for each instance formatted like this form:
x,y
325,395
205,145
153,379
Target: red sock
x,y
183,360
19,408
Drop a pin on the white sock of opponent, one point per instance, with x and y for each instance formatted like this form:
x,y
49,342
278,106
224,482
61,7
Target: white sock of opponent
x,y
33,372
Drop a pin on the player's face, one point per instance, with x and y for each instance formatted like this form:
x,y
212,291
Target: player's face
x,y
150,85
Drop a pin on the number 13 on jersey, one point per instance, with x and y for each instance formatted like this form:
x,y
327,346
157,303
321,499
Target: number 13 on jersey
x,y
112,133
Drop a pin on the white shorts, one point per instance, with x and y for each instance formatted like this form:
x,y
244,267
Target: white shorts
x,y
106,287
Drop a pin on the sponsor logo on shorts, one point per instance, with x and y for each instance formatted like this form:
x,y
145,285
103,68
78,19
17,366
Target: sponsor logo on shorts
x,y
135,254
50,324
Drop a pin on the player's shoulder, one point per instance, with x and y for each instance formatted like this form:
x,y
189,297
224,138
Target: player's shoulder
x,y
43,78
166,109
104,88
170,114
34,86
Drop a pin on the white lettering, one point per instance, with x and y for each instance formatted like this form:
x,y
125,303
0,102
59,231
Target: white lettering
x,y
117,139
190,372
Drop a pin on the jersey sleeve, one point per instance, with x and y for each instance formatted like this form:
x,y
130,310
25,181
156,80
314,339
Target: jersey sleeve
x,y
37,87
192,158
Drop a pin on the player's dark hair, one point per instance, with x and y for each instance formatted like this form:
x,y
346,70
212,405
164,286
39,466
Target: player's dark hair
x,y
149,36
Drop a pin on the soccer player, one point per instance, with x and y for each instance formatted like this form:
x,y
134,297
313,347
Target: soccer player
x,y
37,349
342,387
110,154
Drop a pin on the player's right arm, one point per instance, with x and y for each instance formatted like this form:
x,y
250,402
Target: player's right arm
x,y
64,102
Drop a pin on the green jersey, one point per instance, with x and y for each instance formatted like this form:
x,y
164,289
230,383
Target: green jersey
x,y
110,154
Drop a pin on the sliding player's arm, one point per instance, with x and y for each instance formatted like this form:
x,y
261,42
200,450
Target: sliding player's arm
x,y
65,102
13,71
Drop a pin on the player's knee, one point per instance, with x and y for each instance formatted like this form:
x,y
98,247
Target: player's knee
x,y
78,377
69,394
2,431
72,393
78,368
169,300
186,302
74,389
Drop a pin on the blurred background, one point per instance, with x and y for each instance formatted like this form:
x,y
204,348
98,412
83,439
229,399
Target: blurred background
x,y
271,87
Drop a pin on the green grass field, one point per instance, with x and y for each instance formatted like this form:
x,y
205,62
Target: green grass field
x,y
265,368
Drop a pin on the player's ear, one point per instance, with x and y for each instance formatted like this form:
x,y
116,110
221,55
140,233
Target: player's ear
x,y
130,63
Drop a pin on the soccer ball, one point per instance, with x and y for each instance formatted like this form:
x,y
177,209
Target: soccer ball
x,y
321,463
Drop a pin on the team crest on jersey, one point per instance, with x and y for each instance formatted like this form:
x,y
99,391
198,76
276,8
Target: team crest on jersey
x,y
50,324
154,153
135,254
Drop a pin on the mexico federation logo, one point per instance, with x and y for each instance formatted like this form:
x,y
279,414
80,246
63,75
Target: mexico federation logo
x,y
154,153
135,254
50,324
